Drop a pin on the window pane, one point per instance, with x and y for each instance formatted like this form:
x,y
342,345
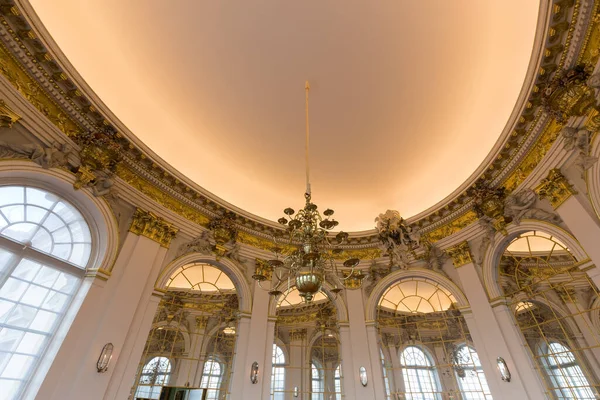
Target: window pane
x,y
34,297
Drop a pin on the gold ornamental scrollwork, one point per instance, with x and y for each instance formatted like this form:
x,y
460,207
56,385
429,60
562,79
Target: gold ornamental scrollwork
x,y
460,254
153,227
556,188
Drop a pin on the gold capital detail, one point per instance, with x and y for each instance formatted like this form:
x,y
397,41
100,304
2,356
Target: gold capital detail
x,y
153,227
461,254
7,116
556,188
297,334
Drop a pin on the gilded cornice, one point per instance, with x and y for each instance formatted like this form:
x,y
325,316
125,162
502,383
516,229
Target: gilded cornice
x,y
35,73
7,116
147,224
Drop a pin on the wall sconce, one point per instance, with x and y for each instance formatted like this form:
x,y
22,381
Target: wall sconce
x,y
503,368
295,391
362,375
254,373
105,357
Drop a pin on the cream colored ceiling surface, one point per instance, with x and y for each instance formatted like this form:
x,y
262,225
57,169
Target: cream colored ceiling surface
x,y
407,99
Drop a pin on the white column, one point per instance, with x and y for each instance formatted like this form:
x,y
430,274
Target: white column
x,y
296,363
588,340
118,312
258,347
364,349
576,214
240,370
347,362
495,335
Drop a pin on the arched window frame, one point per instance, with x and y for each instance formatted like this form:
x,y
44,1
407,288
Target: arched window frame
x,y
317,382
212,376
40,275
386,379
155,374
473,386
337,381
421,382
564,372
278,373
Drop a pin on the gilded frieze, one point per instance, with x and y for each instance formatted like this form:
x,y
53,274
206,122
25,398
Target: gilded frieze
x,y
162,198
535,155
452,227
31,90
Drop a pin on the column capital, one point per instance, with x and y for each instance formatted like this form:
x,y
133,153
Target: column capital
x,y
297,335
556,188
460,254
7,116
153,227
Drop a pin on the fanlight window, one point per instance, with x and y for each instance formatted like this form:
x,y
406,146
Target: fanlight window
x,y
201,277
470,376
278,374
316,383
291,297
45,244
535,242
566,376
418,372
417,296
154,376
212,375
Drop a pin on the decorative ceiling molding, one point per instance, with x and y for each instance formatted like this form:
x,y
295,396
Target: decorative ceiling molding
x,y
37,69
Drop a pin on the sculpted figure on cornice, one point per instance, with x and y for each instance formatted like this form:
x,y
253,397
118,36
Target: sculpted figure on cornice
x,y
397,238
579,140
203,244
520,205
46,157
435,258
570,94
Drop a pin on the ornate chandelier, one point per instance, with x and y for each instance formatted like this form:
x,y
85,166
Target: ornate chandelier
x,y
310,259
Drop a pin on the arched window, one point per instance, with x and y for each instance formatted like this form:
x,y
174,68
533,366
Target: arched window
x,y
316,383
337,379
386,380
45,245
419,375
211,378
469,374
566,376
278,374
154,376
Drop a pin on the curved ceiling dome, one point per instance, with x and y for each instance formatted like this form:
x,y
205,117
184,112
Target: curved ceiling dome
x,y
407,98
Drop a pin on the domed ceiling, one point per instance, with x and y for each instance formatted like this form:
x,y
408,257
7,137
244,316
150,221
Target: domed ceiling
x,y
407,97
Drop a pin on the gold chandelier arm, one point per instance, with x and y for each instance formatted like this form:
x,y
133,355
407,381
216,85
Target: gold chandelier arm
x,y
307,87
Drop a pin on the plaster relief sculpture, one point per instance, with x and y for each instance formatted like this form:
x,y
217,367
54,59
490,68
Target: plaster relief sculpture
x,y
103,184
46,157
489,232
435,258
579,140
520,205
203,244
